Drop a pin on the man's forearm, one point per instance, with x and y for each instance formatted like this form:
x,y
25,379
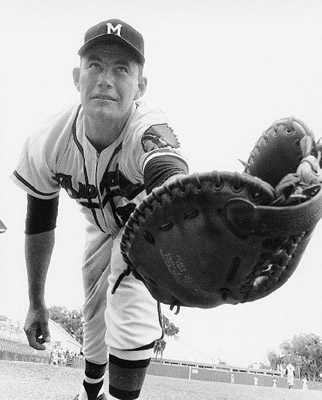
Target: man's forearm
x,y
38,251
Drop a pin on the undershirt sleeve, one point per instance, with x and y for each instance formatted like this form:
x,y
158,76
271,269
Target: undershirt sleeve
x,y
41,215
159,169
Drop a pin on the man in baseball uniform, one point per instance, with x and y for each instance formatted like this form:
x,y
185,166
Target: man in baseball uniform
x,y
290,375
108,152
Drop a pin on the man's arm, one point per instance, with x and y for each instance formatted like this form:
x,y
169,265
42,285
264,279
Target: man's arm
x,y
39,244
161,168
38,251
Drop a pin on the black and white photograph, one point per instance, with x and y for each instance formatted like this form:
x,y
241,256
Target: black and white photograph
x,y
161,181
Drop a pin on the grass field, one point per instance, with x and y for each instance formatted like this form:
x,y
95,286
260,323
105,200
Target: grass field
x,y
30,381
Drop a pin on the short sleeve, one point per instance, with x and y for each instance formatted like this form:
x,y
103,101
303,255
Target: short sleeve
x,y
149,136
34,174
40,156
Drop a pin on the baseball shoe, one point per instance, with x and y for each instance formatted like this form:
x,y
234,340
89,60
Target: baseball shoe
x,y
101,397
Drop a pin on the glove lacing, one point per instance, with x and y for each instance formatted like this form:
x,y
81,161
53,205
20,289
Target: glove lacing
x,y
300,186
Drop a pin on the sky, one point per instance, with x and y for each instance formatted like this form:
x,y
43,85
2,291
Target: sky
x,y
223,71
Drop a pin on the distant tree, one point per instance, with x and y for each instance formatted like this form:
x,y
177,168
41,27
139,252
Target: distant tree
x,y
170,329
264,366
71,321
275,360
305,351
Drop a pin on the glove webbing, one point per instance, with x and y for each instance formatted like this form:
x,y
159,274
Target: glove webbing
x,y
248,218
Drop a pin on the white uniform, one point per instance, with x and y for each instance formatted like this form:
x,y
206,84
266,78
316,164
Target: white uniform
x,y
290,374
107,186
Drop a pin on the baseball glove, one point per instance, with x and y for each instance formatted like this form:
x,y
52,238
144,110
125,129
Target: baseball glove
x,y
207,239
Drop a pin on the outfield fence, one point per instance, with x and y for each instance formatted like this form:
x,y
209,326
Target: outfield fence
x,y
17,351
224,373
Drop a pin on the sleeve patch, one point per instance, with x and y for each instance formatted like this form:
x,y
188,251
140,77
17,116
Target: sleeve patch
x,y
158,137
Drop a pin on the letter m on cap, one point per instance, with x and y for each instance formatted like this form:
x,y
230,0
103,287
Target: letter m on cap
x,y
113,30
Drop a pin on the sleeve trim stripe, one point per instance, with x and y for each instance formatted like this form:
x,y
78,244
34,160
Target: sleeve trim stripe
x,y
162,154
22,180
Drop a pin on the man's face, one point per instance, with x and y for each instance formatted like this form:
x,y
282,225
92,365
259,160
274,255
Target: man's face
x,y
109,80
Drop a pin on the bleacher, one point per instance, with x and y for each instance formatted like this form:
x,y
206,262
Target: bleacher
x,y
17,351
14,346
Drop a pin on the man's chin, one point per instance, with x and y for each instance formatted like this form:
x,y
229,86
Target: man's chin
x,y
103,113
107,112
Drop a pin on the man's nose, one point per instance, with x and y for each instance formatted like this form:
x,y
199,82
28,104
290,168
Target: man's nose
x,y
106,78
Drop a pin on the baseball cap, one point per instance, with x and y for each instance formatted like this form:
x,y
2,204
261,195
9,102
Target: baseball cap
x,y
114,31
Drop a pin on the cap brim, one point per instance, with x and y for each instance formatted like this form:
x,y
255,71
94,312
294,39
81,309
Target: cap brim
x,y
3,228
110,39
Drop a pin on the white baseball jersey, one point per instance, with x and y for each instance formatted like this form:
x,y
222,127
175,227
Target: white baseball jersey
x,y
107,185
290,374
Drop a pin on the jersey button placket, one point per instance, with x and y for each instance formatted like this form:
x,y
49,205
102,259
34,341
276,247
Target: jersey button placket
x,y
98,188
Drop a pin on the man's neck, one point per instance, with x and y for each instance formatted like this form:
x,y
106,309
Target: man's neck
x,y
102,134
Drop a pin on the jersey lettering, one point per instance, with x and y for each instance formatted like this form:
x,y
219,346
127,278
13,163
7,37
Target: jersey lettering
x,y
110,179
84,191
87,191
114,184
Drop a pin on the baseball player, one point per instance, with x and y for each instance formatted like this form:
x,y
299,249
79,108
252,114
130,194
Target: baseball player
x,y
290,375
107,152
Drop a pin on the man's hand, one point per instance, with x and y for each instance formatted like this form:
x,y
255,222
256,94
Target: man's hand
x,y
36,327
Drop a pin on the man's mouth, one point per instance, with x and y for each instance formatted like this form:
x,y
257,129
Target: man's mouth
x,y
104,97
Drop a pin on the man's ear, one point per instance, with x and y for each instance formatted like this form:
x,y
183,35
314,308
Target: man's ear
x,y
76,72
141,87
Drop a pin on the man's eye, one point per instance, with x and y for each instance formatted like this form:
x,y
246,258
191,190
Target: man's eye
x,y
121,69
94,65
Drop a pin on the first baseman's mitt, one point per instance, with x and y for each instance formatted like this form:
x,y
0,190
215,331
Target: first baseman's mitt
x,y
207,239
